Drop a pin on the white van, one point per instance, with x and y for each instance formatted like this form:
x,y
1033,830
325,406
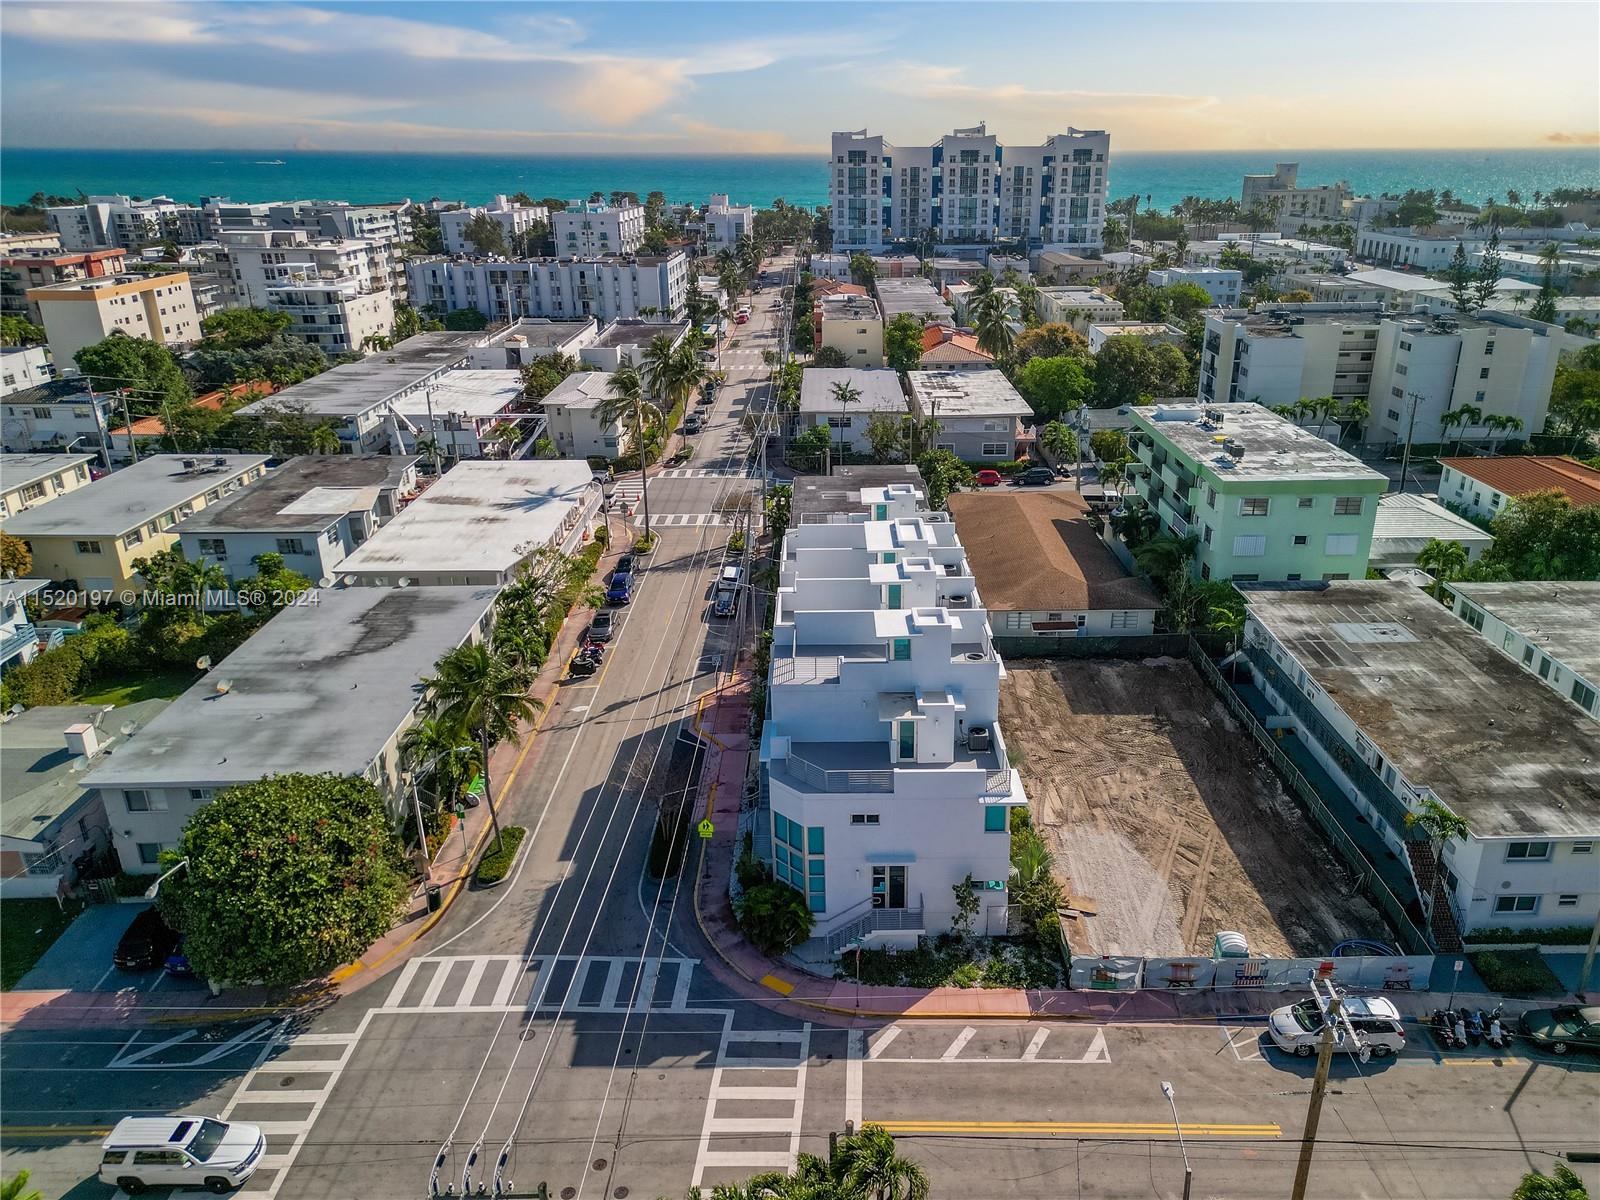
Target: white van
x,y
1297,1028
146,1152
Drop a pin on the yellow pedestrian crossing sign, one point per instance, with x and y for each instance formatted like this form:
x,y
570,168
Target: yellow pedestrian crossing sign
x,y
706,828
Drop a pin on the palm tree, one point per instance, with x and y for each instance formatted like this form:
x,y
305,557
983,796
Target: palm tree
x,y
994,326
1112,476
324,440
749,256
1356,414
1304,410
429,446
1058,441
845,394
1444,561
1501,423
487,693
443,751
1325,408
872,1167
625,402
1469,415
205,577
1166,555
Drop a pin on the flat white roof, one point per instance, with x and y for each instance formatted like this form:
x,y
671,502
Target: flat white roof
x,y
581,389
1273,447
966,394
879,388
132,496
469,393
17,470
480,516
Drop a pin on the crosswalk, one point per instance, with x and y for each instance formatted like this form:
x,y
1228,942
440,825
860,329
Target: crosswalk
x,y
285,1095
685,519
754,1065
702,473
498,983
627,492
942,1043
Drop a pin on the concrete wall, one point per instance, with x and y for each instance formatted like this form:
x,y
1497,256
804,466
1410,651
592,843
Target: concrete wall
x,y
1074,623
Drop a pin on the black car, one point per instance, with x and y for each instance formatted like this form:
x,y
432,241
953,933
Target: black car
x,y
1036,477
146,943
625,565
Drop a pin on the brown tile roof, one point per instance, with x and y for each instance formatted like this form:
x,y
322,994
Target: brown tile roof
x,y
1517,475
1033,551
835,287
154,426
943,345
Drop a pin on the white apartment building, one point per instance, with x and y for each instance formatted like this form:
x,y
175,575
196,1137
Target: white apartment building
x,y
589,230
726,223
852,325
1485,487
980,414
913,295
24,367
54,416
334,314
627,340
572,413
79,314
1401,703
564,289
265,258
514,220
1427,248
885,780
878,393
969,190
1151,331
102,221
1548,629
1078,307
898,266
522,342
1222,285
19,637
1285,253
1290,205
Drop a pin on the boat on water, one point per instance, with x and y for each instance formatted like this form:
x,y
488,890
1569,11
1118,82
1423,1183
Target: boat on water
x,y
268,162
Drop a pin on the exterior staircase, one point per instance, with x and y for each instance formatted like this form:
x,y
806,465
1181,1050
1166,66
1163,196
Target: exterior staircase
x,y
1445,931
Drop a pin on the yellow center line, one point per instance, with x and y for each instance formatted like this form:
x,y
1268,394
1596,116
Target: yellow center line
x,y
35,1131
1140,1128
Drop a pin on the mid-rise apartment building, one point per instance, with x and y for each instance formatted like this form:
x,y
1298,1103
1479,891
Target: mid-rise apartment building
x,y
1402,704
30,480
1425,247
1546,628
587,230
1219,283
564,289
75,315
726,223
885,781
969,190
334,290
514,220
1281,197
851,325
105,221
21,271
1268,500
1079,307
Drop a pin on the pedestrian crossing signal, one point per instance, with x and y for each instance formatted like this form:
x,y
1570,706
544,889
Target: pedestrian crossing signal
x,y
706,828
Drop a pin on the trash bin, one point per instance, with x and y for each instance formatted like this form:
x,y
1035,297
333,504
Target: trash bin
x,y
435,900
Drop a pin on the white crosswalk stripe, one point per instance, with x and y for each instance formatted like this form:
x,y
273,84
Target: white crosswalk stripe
x,y
702,473
682,519
490,983
768,1143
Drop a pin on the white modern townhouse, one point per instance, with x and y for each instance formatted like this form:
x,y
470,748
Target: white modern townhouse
x,y
968,190
725,223
885,781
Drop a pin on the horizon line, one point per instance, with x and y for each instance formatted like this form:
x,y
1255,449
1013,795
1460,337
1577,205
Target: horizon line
x,y
282,150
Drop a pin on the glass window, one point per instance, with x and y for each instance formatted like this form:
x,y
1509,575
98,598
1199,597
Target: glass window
x,y
994,819
1583,694
150,853
1527,851
1521,905
814,839
1253,506
901,649
1305,501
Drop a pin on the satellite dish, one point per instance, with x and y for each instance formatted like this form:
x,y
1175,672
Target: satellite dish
x,y
127,728
203,663
224,686
325,581
78,765
404,581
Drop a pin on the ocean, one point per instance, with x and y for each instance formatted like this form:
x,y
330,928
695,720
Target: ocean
x,y
256,175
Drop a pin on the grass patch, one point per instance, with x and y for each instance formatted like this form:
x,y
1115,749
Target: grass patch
x,y
946,961
143,685
1515,972
29,927
492,867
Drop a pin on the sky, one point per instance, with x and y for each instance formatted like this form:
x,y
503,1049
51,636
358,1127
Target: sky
x,y
753,78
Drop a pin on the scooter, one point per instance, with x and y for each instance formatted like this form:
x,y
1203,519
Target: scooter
x,y
1497,1035
1474,1026
1442,1026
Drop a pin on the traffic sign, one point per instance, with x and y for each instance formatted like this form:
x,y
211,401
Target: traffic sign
x,y
706,828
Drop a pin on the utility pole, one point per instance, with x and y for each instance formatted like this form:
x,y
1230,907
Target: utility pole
x,y
127,422
433,432
1411,424
1319,1085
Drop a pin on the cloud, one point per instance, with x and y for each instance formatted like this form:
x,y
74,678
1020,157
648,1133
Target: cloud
x,y
743,141
1571,139
932,82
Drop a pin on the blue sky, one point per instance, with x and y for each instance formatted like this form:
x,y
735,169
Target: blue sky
x,y
776,78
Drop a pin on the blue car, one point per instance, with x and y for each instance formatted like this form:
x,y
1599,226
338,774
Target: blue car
x,y
621,589
177,964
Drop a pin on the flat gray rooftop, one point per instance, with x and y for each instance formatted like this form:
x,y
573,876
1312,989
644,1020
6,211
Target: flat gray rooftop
x,y
319,688
879,389
306,493
943,394
638,333
819,497
849,307
1563,618
1407,522
1273,447
542,334
58,391
914,295
130,497
16,470
355,387
36,775
581,389
1453,713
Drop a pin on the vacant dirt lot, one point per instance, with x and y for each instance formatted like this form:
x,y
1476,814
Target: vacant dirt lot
x,y
1159,808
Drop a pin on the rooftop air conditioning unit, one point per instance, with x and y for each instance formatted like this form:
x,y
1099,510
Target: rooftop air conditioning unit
x,y
978,738
190,464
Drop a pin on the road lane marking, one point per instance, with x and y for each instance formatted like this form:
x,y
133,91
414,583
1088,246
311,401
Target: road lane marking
x,y
881,1042
960,1044
781,986
856,1045
1098,1051
786,1125
1034,1046
128,1060
474,974
1109,1128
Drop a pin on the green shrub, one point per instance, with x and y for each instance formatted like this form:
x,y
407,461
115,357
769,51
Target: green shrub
x,y
1007,469
56,676
1515,972
1001,972
492,867
1560,935
966,975
774,918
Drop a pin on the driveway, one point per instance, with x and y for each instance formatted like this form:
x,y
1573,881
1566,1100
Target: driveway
x,y
80,959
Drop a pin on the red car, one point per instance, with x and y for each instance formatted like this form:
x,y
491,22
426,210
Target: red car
x,y
988,478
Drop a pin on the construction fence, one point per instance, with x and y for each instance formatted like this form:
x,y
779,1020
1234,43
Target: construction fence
x,y
1121,973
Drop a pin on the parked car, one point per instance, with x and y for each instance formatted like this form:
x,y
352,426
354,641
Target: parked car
x,y
621,589
603,627
732,576
1036,477
626,565
1297,1028
178,964
191,1152
741,318
726,602
707,356
692,423
988,478
146,943
1561,1030
707,396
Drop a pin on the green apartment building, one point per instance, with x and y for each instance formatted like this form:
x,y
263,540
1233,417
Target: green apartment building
x,y
1269,501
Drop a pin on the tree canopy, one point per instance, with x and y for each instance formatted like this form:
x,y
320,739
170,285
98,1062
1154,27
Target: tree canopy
x,y
1055,387
288,877
147,370
465,319
1127,369
19,331
902,343
1542,536
1051,340
243,328
485,235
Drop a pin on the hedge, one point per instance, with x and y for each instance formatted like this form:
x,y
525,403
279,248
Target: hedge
x,y
581,573
1560,935
1006,469
492,867
1515,972
56,676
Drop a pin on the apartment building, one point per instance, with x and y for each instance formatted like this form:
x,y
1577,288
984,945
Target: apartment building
x,y
1485,487
574,423
23,368
947,349
75,315
1290,205
562,289
878,393
969,190
591,230
531,338
335,291
323,688
980,414
726,223
1424,247
514,220
886,266
1407,523
93,534
19,638
1059,267
15,243
626,341
914,296
1150,331
1267,499
885,780
313,510
851,325
104,221
22,270
56,416
29,480
1400,703
1079,307
1221,284
1549,629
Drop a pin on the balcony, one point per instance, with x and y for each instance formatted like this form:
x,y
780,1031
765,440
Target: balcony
x,y
18,640
1176,478
846,767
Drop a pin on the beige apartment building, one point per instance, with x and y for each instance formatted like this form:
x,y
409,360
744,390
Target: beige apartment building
x,y
851,325
85,311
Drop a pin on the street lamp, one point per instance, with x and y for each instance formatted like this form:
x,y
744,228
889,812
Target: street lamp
x,y
150,892
1188,1173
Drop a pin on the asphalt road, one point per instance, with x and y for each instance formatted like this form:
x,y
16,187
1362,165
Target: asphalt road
x,y
569,1015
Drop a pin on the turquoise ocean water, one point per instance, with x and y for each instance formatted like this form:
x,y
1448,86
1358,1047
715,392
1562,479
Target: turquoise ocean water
x,y
799,179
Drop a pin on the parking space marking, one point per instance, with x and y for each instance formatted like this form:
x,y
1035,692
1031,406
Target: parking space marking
x,y
960,1044
1098,1051
881,1042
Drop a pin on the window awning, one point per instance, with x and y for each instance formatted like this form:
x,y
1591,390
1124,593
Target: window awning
x,y
899,706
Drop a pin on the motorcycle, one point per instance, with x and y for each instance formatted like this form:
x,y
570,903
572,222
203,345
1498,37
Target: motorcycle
x,y
1498,1037
1473,1023
1442,1026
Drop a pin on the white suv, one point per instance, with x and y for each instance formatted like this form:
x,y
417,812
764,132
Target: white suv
x,y
144,1152
1297,1028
